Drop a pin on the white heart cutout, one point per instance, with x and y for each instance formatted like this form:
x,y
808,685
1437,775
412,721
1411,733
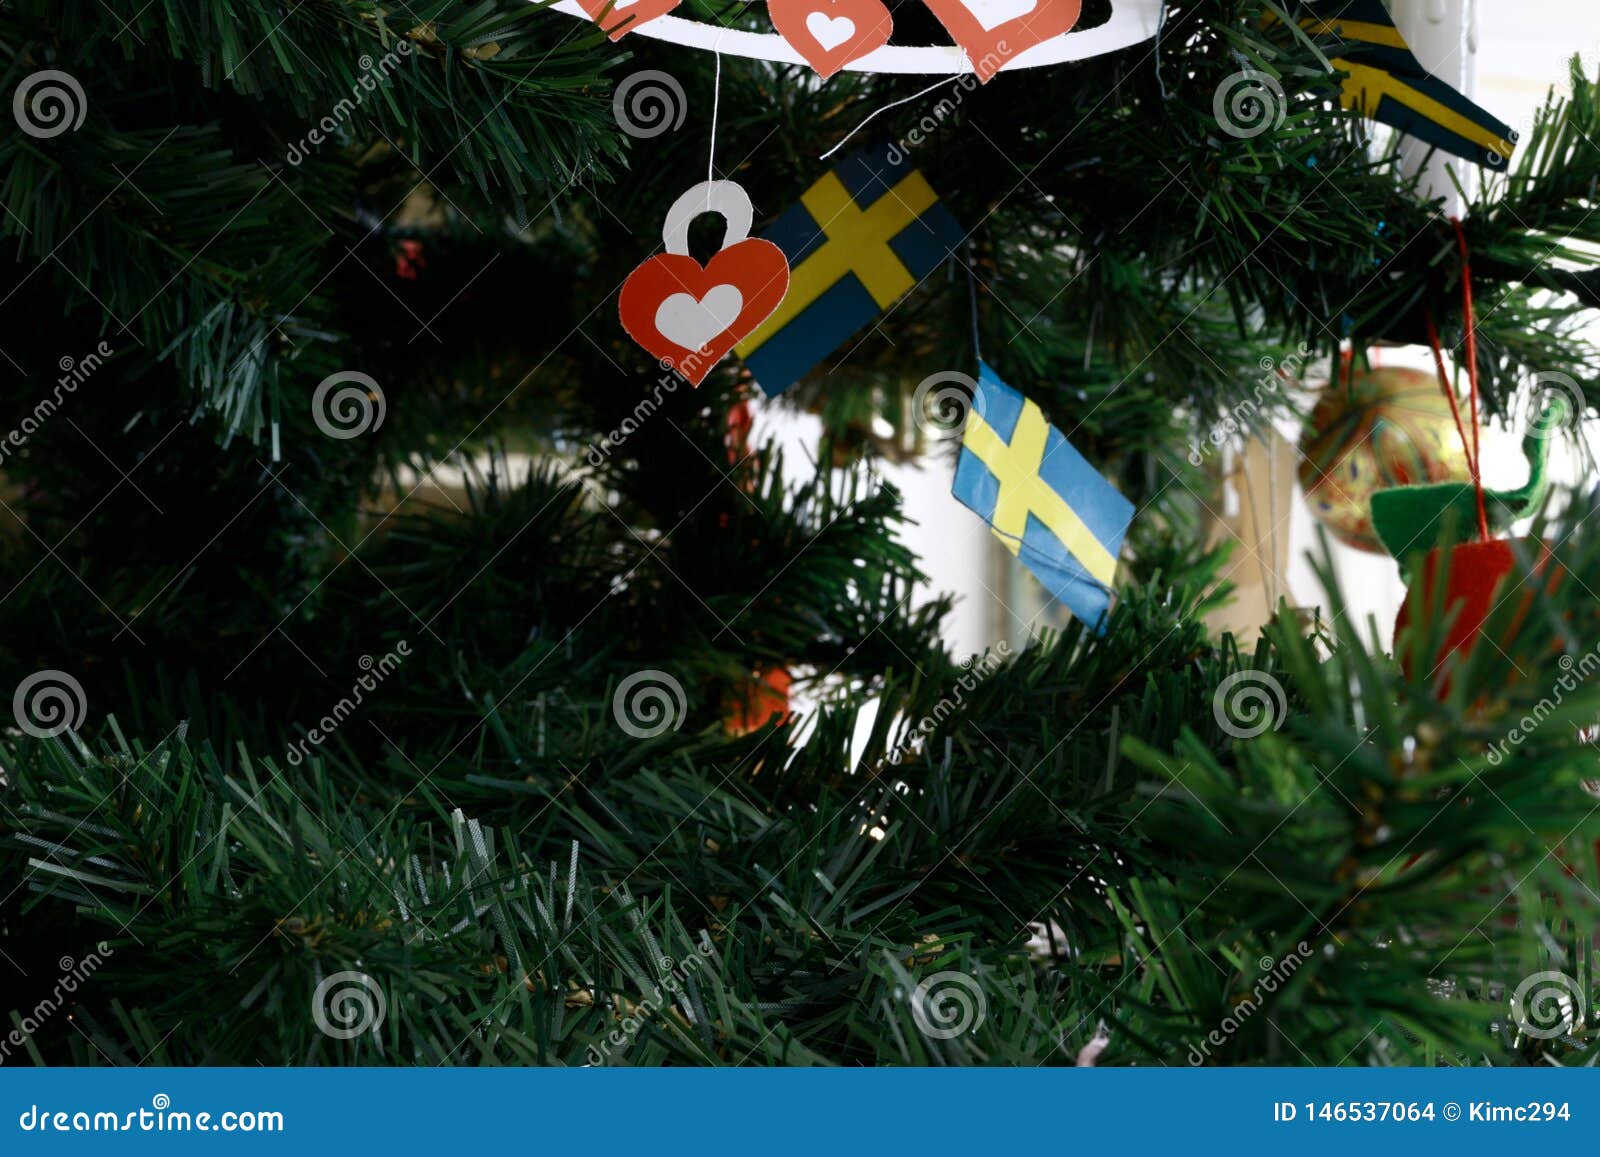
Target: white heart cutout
x,y
830,31
993,13
692,322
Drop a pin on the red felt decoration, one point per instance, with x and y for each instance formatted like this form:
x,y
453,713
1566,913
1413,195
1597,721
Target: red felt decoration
x,y
993,32
1477,571
625,15
1468,315
831,33
689,315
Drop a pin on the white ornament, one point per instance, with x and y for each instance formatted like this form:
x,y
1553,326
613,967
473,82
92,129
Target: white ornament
x,y
1132,22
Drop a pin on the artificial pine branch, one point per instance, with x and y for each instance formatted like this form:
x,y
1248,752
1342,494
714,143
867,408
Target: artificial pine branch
x,y
1076,831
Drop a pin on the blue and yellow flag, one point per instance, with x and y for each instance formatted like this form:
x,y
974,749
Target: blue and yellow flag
x,y
1386,82
1041,498
858,241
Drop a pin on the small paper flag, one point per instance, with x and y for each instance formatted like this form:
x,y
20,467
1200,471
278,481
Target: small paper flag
x,y
858,241
1042,499
1387,83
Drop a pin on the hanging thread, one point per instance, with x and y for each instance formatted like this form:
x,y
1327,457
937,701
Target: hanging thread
x,y
716,105
1472,450
1444,385
876,112
1472,368
1161,27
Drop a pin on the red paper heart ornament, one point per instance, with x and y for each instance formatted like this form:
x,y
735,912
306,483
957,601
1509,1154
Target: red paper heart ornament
x,y
690,315
829,34
994,32
617,18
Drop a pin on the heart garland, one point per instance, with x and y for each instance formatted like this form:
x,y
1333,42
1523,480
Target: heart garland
x,y
689,315
832,33
993,32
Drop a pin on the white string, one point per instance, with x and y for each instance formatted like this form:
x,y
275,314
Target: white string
x,y
885,108
716,103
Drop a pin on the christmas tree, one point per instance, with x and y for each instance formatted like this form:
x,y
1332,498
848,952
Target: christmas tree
x,y
407,669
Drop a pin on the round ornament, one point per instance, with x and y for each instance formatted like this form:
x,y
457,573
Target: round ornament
x,y
763,699
1370,431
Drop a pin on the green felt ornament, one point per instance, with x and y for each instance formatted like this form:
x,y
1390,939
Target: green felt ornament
x,y
1409,519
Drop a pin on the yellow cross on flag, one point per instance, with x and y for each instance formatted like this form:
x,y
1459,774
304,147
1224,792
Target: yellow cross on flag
x,y
1041,498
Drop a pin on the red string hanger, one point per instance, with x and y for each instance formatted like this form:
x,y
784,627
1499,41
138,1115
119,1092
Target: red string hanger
x,y
1468,447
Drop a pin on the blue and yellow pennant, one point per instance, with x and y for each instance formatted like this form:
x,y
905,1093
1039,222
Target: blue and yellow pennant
x,y
858,241
1041,498
1386,82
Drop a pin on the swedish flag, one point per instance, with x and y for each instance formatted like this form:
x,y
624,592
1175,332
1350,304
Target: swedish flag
x,y
1041,498
1385,81
858,241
